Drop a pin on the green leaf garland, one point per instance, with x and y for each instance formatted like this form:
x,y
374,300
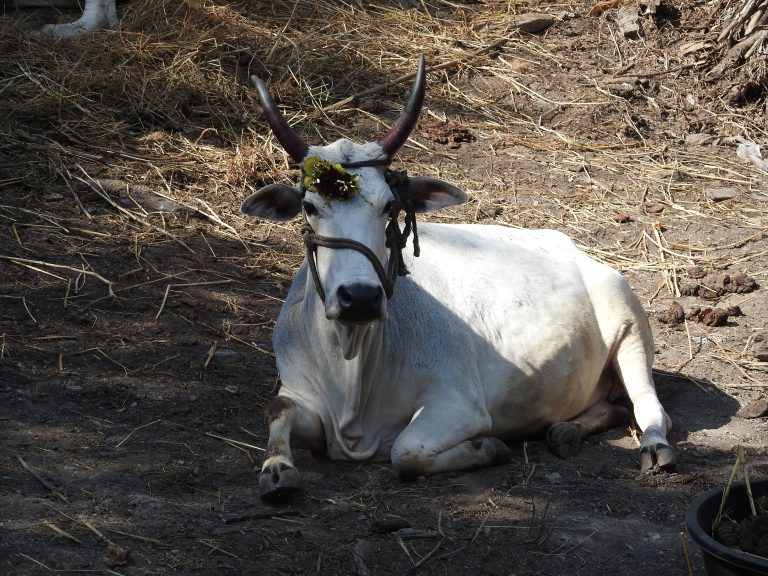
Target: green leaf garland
x,y
329,180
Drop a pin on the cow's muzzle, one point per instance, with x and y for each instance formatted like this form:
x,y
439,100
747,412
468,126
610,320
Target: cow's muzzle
x,y
359,303
353,296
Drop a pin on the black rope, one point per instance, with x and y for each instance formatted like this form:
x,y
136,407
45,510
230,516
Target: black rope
x,y
400,185
312,241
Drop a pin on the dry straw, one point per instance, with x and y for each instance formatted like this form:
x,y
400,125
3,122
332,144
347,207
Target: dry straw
x,y
563,138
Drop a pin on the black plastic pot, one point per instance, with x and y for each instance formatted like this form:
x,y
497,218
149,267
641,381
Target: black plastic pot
x,y
720,560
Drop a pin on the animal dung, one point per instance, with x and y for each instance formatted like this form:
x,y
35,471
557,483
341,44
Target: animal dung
x,y
754,409
709,316
622,218
696,272
748,534
449,133
760,347
713,287
674,315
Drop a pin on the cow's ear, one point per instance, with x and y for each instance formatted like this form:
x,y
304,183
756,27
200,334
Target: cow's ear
x,y
276,202
430,194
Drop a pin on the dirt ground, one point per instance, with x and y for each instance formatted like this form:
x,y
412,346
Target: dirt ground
x,y
136,303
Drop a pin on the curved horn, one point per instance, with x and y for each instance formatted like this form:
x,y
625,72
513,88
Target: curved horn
x,y
398,134
287,136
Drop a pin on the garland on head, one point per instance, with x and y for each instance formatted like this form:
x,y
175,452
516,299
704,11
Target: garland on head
x,y
329,180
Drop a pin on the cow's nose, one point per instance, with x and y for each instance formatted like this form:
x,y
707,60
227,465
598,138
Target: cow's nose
x,y
360,302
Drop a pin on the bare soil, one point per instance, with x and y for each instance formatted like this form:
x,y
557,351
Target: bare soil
x,y
135,326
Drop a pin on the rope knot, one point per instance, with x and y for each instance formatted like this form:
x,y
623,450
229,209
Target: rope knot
x,y
400,185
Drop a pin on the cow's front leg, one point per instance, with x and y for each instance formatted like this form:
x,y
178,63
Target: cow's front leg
x,y
443,441
286,417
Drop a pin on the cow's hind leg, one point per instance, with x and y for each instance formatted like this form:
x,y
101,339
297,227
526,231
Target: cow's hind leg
x,y
633,361
564,438
284,416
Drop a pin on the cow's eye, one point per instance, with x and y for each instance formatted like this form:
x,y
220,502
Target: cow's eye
x,y
310,209
387,208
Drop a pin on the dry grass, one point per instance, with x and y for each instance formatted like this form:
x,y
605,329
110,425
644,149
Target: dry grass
x,y
165,101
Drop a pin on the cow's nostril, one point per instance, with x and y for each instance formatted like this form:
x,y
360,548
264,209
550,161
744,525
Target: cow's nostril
x,y
345,298
360,302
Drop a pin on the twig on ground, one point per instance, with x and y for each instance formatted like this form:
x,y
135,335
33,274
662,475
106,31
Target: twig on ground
x,y
62,532
47,485
35,264
161,421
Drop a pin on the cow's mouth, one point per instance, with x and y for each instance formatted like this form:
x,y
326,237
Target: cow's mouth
x,y
352,337
360,317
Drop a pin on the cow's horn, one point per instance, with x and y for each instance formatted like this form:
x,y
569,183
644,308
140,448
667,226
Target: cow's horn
x,y
398,134
287,136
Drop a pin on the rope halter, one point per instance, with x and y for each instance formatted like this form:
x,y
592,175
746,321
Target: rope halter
x,y
396,239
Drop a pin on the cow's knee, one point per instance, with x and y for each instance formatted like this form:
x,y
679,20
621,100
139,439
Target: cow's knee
x,y
413,461
410,462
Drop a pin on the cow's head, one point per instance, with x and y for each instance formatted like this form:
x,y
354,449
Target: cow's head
x,y
346,198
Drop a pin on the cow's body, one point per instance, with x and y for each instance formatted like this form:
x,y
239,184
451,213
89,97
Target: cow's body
x,y
497,333
97,15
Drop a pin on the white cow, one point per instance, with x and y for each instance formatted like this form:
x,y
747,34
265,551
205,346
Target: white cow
x,y
496,334
97,14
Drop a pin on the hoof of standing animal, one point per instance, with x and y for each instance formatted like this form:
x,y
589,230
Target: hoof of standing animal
x,y
97,15
564,439
655,451
278,480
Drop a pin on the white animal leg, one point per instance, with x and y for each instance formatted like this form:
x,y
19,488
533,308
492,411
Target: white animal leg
x,y
564,438
436,442
633,361
97,15
278,474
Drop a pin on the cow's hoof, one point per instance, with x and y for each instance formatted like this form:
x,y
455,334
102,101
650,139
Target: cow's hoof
x,y
658,454
60,30
278,480
564,439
